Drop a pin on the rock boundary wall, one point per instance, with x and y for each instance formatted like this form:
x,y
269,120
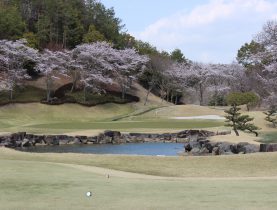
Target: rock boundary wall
x,y
195,141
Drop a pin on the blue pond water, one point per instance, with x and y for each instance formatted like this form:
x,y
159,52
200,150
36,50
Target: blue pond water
x,y
153,149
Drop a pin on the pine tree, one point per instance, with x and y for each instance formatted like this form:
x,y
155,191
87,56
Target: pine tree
x,y
239,122
270,116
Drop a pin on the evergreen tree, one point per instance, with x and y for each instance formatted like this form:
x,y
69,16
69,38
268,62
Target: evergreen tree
x,y
93,35
270,116
239,122
11,24
60,23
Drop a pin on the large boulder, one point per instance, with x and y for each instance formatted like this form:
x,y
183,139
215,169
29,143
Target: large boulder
x,y
18,136
251,148
204,151
112,133
191,145
51,140
26,143
166,136
77,141
224,147
215,150
268,148
245,147
210,146
195,151
194,134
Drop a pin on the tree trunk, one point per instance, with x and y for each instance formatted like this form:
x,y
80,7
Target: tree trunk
x,y
48,95
176,100
162,96
171,100
255,132
74,81
73,87
201,94
236,132
146,98
11,94
48,90
123,92
85,95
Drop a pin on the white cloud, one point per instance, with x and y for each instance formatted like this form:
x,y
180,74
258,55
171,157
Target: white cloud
x,y
210,25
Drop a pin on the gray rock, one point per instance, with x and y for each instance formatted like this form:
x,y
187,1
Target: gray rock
x,y
204,151
268,148
224,147
112,133
215,150
251,148
210,146
26,143
241,147
188,147
77,141
195,151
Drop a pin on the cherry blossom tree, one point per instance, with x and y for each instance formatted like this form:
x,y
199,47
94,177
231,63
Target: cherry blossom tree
x,y
52,65
128,64
13,57
90,60
203,79
100,63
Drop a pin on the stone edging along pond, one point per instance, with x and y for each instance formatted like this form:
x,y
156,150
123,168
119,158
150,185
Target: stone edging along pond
x,y
195,141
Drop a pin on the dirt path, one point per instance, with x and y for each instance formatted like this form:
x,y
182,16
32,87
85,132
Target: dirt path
x,y
129,175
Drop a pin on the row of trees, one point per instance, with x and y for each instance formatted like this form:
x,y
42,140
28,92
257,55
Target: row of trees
x,y
174,79
90,65
255,72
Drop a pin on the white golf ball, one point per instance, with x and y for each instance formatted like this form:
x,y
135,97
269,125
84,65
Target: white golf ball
x,y
89,194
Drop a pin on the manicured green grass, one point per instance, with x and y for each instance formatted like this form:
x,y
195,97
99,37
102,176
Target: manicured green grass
x,y
183,124
28,186
254,165
36,113
40,118
36,181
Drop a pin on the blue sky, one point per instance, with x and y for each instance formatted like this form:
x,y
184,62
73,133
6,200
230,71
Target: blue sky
x,y
205,30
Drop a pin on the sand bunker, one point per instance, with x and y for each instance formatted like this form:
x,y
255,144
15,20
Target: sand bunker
x,y
203,117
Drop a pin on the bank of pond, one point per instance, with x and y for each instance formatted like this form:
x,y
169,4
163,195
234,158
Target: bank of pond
x,y
186,142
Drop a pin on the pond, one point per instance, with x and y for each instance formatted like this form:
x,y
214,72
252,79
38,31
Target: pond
x,y
153,149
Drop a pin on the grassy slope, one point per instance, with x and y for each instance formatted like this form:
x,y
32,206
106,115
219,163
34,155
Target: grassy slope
x,y
68,118
224,166
135,117
36,181
67,187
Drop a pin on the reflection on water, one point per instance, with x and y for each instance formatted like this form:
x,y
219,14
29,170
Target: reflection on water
x,y
166,149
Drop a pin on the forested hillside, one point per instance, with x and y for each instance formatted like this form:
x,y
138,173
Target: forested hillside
x,y
60,23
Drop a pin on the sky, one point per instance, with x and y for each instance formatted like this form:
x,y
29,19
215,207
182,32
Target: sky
x,y
205,30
